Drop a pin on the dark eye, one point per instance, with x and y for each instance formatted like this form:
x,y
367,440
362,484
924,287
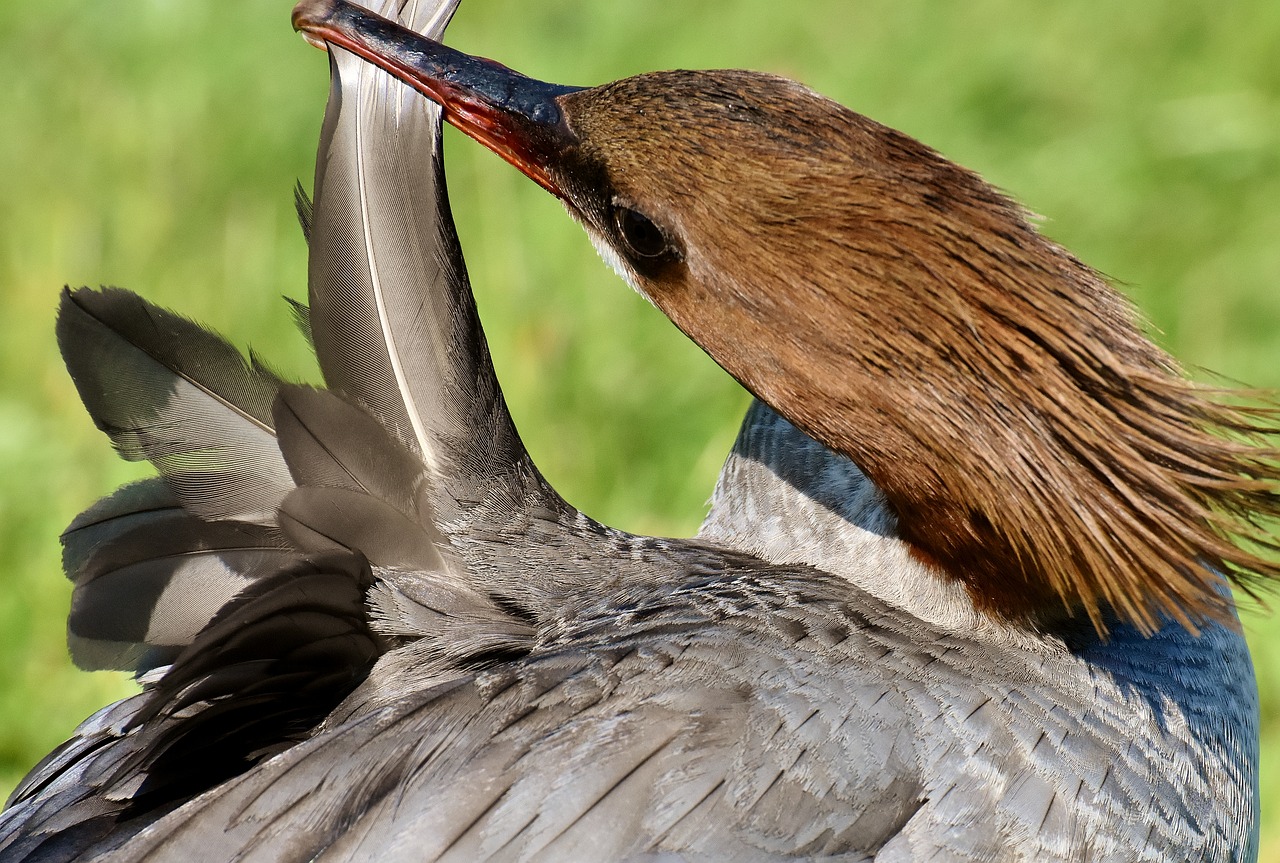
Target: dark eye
x,y
641,236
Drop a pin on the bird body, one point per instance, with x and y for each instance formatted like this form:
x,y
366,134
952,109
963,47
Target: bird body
x,y
704,730
962,592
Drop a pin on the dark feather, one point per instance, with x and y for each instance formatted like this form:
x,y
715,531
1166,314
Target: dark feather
x,y
149,590
170,391
302,204
301,317
327,441
265,672
359,488
141,503
269,668
57,811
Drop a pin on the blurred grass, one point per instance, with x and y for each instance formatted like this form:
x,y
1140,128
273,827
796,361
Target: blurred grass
x,y
153,145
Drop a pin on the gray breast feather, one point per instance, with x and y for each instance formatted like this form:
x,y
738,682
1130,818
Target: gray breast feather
x,y
736,723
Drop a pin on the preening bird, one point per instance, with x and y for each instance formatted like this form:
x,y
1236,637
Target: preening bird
x,y
962,594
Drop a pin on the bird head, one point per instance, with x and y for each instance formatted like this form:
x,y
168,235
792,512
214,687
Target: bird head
x,y
1033,442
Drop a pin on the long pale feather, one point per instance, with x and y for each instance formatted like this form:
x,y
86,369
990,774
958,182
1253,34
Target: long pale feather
x,y
392,317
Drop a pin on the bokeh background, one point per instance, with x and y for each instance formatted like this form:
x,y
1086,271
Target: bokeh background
x,y
153,144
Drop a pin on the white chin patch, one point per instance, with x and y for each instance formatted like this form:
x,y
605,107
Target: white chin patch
x,y
616,261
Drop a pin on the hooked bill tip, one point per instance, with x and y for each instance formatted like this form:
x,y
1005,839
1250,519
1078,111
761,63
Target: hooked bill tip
x,y
514,115
308,15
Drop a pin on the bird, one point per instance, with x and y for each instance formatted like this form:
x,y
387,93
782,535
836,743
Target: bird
x,y
962,593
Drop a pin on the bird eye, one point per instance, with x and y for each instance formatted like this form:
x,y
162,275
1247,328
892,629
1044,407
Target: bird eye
x,y
642,236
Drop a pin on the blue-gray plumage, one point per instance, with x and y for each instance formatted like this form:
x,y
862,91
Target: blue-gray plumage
x,y
369,630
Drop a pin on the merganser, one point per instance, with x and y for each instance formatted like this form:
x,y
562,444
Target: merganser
x,y
961,594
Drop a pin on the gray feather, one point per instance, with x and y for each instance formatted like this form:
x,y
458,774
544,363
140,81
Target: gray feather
x,y
737,718
148,591
327,441
359,488
129,507
167,390
268,668
149,571
392,318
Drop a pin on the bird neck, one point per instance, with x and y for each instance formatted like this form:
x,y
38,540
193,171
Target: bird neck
x,y
787,499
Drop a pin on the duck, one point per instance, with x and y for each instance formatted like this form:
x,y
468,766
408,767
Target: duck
x,y
963,592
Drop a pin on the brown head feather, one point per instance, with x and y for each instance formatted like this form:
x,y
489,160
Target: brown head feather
x,y
1034,442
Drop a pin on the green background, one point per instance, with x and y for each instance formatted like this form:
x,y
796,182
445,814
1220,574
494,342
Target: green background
x,y
153,145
